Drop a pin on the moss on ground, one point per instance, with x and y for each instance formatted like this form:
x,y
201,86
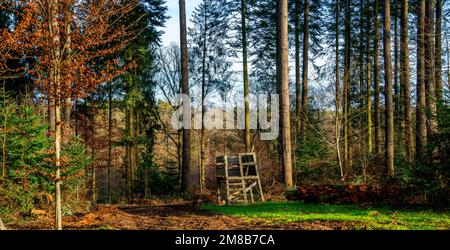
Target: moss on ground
x,y
362,217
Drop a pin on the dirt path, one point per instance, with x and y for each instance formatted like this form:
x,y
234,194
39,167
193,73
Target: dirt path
x,y
165,217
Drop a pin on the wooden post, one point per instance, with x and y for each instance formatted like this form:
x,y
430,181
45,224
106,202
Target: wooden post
x,y
226,180
259,181
251,195
219,200
2,226
241,169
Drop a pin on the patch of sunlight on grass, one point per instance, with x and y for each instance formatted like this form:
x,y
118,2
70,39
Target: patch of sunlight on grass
x,y
106,227
366,218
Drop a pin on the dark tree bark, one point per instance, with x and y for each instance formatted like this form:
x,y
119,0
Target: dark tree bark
x,y
304,114
405,78
338,92
429,68
346,90
369,86
110,118
438,55
377,111
421,124
245,68
361,62
298,98
186,183
93,155
396,97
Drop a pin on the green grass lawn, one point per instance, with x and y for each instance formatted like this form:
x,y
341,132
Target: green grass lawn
x,y
361,217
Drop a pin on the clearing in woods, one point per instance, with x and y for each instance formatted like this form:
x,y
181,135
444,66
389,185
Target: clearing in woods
x,y
270,215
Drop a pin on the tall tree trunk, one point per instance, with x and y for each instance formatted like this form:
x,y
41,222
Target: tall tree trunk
x,y
93,168
361,62
377,111
347,62
298,98
338,93
132,150
68,100
421,122
130,161
438,53
186,169
202,131
127,162
51,114
429,67
369,110
5,136
396,97
180,157
404,61
55,76
278,90
245,68
137,134
283,82
448,60
388,89
110,118
304,115
146,187
76,118
58,163
369,87
67,111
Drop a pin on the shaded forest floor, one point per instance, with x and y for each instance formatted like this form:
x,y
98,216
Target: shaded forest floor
x,y
277,215
165,217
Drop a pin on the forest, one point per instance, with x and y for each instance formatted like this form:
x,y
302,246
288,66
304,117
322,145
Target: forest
x,y
262,114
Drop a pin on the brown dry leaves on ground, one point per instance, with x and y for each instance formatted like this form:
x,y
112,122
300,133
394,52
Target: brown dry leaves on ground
x,y
165,217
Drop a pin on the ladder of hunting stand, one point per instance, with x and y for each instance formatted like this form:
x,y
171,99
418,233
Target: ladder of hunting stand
x,y
240,176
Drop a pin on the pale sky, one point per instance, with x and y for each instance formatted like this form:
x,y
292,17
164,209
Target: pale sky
x,y
172,29
172,35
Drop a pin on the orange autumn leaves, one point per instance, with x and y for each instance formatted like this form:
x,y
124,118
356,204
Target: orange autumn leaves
x,y
73,46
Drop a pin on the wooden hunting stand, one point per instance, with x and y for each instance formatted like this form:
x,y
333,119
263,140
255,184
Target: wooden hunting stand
x,y
237,177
